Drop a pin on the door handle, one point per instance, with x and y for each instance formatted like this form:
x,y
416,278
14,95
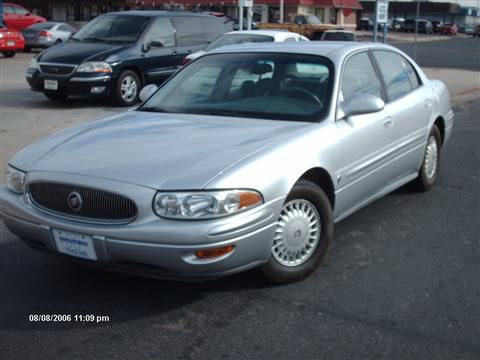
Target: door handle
x,y
174,53
388,122
428,104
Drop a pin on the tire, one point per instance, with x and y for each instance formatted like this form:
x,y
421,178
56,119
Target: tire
x,y
306,203
59,41
125,93
56,97
431,162
9,54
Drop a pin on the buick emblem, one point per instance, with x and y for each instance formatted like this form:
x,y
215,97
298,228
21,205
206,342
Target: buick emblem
x,y
75,201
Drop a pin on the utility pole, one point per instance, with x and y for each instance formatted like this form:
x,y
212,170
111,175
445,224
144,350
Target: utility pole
x,y
416,30
375,23
281,11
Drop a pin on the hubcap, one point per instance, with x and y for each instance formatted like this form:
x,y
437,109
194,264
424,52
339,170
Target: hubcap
x,y
297,234
129,88
431,158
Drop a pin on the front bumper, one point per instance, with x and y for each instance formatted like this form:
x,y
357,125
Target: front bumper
x,y
152,246
73,84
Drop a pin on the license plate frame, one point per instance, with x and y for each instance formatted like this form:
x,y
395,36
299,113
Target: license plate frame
x,y
50,85
75,244
11,43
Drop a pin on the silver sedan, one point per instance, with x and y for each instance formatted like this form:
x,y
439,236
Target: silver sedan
x,y
45,34
246,158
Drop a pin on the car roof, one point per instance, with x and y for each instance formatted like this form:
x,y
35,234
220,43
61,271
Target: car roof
x,y
156,13
335,50
273,33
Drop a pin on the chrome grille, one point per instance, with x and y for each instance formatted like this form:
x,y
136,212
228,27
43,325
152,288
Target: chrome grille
x,y
97,206
57,69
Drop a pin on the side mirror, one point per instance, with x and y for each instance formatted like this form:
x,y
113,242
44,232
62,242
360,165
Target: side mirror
x,y
154,43
147,91
362,104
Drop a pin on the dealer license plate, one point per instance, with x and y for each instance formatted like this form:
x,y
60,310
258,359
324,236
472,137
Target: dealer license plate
x,y
10,43
73,244
51,85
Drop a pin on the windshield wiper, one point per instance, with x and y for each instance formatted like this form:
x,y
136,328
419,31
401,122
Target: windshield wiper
x,y
93,38
153,109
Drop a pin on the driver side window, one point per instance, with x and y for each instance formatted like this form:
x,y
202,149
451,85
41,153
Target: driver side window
x,y
162,29
359,77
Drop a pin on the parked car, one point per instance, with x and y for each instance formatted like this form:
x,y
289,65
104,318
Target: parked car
x,y
117,53
11,41
437,25
46,34
245,158
365,24
424,26
339,35
245,37
17,17
448,29
476,32
465,29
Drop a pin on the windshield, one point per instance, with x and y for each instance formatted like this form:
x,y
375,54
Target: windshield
x,y
231,39
256,85
115,28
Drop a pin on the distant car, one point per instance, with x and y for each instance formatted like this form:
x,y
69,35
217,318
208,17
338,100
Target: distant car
x,y
46,34
116,54
437,24
17,17
248,36
11,41
465,29
476,32
365,24
448,29
423,26
245,158
338,35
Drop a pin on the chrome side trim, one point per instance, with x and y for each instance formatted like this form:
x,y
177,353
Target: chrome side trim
x,y
89,79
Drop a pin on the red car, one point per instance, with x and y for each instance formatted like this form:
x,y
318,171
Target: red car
x,y
448,29
11,41
19,18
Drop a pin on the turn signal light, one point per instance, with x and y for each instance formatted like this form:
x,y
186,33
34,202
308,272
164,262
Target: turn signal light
x,y
213,253
248,199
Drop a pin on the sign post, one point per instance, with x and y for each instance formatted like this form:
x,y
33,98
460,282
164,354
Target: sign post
x,y
241,5
381,17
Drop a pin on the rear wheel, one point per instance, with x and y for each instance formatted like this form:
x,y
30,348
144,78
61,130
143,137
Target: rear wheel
x,y
56,97
127,88
58,42
302,236
9,54
431,161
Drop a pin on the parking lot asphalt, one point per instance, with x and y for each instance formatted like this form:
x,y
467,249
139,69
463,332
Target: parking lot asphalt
x,y
401,280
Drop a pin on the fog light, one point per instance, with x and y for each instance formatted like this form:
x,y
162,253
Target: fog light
x,y
97,89
212,253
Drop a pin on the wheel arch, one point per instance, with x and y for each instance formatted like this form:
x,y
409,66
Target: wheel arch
x,y
321,178
440,124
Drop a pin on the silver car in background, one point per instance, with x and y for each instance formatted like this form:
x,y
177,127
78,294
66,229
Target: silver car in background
x,y
45,34
245,158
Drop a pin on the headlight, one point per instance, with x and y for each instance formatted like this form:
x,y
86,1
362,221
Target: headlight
x,y
15,180
33,64
95,67
204,204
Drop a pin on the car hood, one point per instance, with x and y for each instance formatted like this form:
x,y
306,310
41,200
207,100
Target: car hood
x,y
160,151
74,52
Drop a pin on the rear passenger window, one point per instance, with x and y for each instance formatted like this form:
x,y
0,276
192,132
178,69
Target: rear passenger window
x,y
359,77
412,74
190,31
162,29
213,28
397,80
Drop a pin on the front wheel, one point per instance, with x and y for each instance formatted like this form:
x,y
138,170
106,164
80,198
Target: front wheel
x,y
304,231
431,161
127,88
9,54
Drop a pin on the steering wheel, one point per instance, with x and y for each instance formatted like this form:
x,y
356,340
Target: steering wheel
x,y
299,93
